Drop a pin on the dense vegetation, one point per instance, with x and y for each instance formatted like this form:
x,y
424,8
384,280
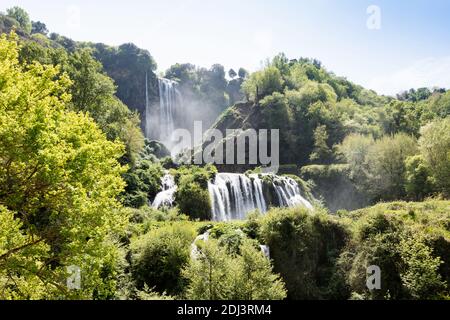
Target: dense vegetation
x,y
338,133
77,178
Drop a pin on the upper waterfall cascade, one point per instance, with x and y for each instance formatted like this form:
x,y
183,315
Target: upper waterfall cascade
x,y
170,101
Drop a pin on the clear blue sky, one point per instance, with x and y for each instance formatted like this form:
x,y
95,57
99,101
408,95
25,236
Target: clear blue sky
x,y
411,49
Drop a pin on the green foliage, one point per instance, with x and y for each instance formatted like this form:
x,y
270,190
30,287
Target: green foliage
x,y
418,182
263,83
397,237
434,145
421,277
304,248
275,111
143,183
60,177
159,256
378,166
204,89
193,200
242,73
199,175
322,152
92,91
21,16
216,275
129,66
7,24
402,117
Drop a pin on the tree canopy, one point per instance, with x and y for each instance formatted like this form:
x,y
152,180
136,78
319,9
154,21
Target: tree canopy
x,y
59,182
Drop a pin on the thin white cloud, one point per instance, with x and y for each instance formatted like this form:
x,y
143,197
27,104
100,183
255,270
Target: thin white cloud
x,y
429,72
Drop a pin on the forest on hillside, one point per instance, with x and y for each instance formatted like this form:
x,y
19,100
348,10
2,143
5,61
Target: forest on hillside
x,y
364,180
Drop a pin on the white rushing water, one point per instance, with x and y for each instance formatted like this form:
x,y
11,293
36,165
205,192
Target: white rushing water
x,y
167,196
233,195
148,123
161,126
288,193
169,102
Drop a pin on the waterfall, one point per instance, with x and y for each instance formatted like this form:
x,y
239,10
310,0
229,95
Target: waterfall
x,y
160,126
167,196
147,109
288,193
234,195
169,100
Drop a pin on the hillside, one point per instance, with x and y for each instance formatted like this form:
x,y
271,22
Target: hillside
x,y
92,207
319,114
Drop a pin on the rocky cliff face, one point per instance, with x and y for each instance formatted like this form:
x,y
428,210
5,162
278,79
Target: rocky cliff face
x,y
242,116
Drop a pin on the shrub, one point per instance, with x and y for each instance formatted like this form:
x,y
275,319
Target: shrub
x,y
304,248
418,178
393,238
143,183
193,200
159,256
192,196
218,275
435,147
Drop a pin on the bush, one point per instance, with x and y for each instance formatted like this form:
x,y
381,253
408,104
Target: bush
x,y
418,178
218,275
193,200
404,240
143,183
263,83
159,256
435,148
304,248
192,196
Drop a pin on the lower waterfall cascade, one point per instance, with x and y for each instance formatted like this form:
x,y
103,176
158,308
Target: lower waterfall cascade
x,y
234,195
167,196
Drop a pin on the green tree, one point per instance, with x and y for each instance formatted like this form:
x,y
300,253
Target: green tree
x,y
322,152
93,92
304,248
378,166
418,178
21,16
263,83
254,277
216,275
386,165
410,269
193,200
143,183
421,277
434,145
59,184
159,256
